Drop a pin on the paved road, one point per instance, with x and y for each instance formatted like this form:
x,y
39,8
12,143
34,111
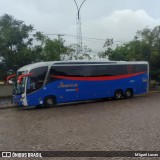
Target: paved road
x,y
132,124
6,103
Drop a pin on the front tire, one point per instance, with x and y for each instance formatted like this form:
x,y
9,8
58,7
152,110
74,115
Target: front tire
x,y
49,101
118,94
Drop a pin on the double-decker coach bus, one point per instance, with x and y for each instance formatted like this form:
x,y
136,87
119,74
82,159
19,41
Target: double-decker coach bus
x,y
50,83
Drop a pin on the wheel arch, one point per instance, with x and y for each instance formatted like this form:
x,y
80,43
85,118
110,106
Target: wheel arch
x,y
50,96
119,91
131,93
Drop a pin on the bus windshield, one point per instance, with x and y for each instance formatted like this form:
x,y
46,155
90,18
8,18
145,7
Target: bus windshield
x,y
37,79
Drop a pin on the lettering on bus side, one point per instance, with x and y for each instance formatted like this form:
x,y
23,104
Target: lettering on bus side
x,y
62,85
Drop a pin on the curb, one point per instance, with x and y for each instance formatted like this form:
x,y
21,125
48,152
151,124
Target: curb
x,y
7,104
150,92
8,107
153,92
4,97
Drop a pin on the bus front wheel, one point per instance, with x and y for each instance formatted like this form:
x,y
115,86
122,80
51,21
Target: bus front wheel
x,y
118,94
128,93
49,101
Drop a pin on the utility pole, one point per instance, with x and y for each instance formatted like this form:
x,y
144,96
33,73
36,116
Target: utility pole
x,y
79,32
59,36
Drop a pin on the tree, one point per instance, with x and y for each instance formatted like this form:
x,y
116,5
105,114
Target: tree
x,y
55,49
51,50
108,49
15,42
144,47
85,53
17,47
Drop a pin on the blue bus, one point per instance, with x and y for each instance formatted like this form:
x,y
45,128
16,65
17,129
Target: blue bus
x,y
51,83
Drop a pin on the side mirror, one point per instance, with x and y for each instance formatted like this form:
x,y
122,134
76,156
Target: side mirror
x,y
10,77
19,80
10,81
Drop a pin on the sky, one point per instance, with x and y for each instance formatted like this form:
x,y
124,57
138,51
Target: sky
x,y
100,19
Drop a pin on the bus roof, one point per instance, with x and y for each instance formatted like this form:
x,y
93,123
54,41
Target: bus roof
x,y
76,62
35,65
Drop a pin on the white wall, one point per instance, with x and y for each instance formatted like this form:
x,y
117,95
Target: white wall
x,y
6,90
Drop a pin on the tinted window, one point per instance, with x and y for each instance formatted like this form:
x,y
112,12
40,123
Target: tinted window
x,y
67,71
36,80
130,68
112,70
70,71
136,68
107,70
117,70
141,68
94,70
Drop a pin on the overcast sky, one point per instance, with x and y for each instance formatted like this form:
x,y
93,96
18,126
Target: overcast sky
x,y
101,19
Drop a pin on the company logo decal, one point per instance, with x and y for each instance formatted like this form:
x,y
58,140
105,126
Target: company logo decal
x,y
62,85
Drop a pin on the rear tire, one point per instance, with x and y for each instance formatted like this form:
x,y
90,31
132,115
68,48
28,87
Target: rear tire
x,y
128,93
49,101
118,94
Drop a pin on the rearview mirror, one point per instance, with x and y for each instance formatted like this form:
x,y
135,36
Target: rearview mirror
x,y
10,78
19,80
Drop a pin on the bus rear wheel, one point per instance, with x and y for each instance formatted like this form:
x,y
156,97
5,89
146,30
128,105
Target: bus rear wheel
x,y
128,93
49,101
118,94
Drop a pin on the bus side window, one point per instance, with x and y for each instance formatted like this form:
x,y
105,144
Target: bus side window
x,y
141,68
129,69
31,84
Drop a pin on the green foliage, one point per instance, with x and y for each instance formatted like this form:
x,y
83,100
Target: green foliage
x,y
2,71
14,42
50,50
17,47
54,49
72,53
144,47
